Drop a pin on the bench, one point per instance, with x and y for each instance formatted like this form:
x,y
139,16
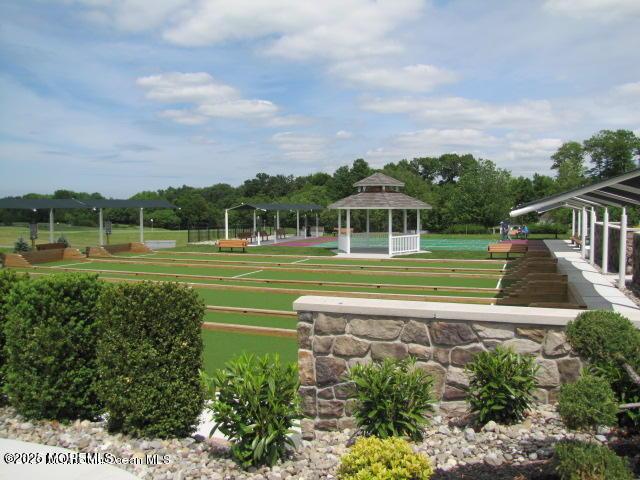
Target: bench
x,y
507,248
281,233
343,231
576,241
231,244
245,236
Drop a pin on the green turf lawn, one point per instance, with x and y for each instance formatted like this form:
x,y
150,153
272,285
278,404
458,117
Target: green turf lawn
x,y
334,276
254,320
80,237
220,347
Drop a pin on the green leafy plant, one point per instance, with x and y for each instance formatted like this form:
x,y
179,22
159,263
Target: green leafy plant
x,y
21,246
254,402
501,385
393,398
8,278
587,461
50,348
149,358
587,403
372,458
63,240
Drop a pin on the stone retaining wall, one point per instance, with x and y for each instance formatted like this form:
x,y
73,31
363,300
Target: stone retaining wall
x,y
330,342
614,248
636,261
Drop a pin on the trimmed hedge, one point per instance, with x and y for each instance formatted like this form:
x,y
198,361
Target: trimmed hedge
x,y
149,358
588,403
587,461
8,278
50,349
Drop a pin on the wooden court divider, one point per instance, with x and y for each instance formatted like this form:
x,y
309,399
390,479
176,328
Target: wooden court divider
x,y
333,293
250,329
251,311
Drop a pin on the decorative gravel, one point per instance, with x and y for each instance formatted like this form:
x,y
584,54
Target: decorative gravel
x,y
197,458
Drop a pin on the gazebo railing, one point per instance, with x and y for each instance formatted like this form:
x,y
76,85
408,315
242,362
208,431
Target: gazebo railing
x,y
405,244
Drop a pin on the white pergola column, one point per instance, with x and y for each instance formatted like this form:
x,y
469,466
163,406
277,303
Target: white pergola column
x,y
579,223
306,225
592,237
404,221
348,231
623,249
100,228
583,247
573,222
275,238
297,223
255,223
390,232
142,225
317,226
51,225
605,241
226,224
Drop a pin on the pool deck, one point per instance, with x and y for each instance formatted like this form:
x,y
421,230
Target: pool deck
x,y
598,291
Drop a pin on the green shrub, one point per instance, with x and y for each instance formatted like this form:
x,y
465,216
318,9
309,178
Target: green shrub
x,y
21,246
149,357
501,385
372,458
393,398
8,279
63,240
467,229
50,349
588,403
587,461
555,228
255,404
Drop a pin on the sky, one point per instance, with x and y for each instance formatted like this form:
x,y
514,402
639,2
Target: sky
x,y
120,96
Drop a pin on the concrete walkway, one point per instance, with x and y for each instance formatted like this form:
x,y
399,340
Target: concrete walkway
x,y
597,290
42,470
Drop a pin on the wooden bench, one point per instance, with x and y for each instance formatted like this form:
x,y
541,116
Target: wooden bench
x,y
281,233
507,248
231,244
576,241
245,236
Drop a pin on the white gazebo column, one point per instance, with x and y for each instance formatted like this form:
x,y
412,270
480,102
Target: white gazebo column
x,y
418,226
51,225
605,241
404,221
142,225
317,226
390,233
623,249
592,237
275,238
306,225
339,227
583,248
297,223
100,228
573,222
226,224
368,226
348,231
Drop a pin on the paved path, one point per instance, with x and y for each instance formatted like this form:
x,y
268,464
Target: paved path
x,y
44,471
597,290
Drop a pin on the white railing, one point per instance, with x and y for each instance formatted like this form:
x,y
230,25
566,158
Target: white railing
x,y
405,244
343,243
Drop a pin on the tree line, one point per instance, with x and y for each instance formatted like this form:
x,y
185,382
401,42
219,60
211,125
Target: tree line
x,y
463,190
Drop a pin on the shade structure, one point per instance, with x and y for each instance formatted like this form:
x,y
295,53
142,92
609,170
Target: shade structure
x,y
620,191
272,207
380,192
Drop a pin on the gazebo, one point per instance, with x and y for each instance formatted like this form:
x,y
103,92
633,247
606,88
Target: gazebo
x,y
380,192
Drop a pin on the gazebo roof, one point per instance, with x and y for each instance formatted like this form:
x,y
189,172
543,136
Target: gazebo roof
x,y
380,201
379,180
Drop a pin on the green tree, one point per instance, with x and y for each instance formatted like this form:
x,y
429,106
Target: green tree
x,y
568,162
612,152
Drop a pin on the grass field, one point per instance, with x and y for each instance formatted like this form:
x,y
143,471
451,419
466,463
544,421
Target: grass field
x,y
250,296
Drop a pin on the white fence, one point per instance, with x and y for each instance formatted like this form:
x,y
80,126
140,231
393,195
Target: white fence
x,y
405,244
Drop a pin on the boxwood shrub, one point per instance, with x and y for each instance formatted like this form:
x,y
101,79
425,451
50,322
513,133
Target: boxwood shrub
x,y
149,357
587,461
588,403
501,385
8,278
51,332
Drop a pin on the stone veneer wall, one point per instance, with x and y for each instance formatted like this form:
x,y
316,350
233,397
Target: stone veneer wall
x,y
614,248
636,261
330,343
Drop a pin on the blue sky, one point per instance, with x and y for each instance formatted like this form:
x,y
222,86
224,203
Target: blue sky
x,y
119,96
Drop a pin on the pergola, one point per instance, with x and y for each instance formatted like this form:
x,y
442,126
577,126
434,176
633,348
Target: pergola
x,y
621,191
72,203
272,207
381,192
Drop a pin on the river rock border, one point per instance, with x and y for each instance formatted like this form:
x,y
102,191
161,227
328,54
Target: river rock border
x,y
331,343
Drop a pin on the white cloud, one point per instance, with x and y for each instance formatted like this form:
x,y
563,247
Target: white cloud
x,y
447,111
604,10
541,148
207,99
301,147
413,78
343,134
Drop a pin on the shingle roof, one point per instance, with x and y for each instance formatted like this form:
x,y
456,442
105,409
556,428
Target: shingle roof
x,y
379,180
380,200
272,207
